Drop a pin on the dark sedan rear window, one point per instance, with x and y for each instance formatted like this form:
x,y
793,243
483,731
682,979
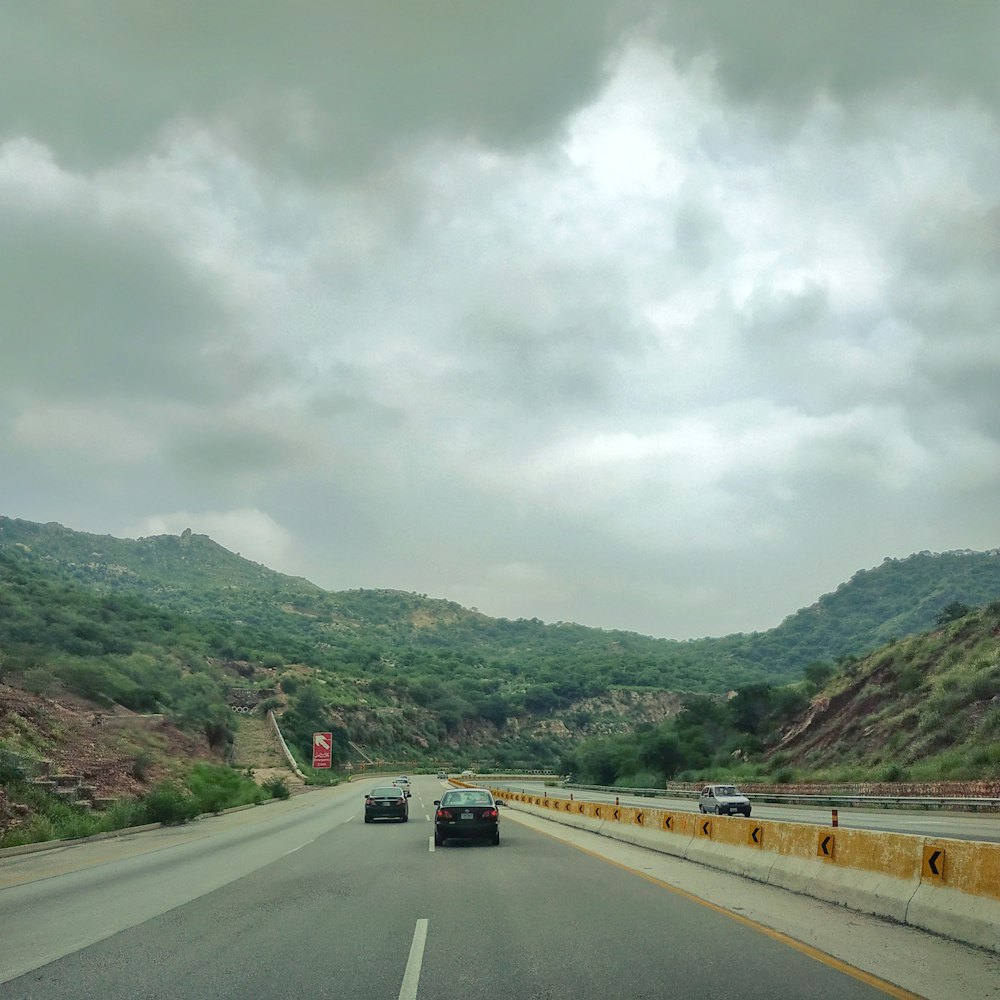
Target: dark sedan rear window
x,y
466,799
386,793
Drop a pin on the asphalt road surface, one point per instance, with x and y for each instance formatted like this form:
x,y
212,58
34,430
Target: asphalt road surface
x,y
982,826
303,899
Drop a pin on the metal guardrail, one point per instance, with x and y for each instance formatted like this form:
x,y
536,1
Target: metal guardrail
x,y
819,799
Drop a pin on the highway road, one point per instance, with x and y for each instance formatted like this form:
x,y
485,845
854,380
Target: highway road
x,y
303,899
981,826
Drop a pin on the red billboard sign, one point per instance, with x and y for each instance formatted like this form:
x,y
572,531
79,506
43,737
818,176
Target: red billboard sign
x,y
322,749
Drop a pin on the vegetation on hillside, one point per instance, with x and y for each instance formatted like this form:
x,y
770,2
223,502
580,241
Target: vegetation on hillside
x,y
171,624
923,709
206,788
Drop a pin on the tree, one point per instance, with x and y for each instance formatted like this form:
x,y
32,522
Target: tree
x,y
952,612
751,708
663,752
817,674
310,714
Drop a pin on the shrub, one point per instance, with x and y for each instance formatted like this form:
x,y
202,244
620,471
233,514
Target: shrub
x,y
216,787
893,772
168,803
12,768
73,824
37,829
41,828
985,686
38,681
277,788
140,766
642,779
123,813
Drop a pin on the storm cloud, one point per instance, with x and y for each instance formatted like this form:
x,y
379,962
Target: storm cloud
x,y
665,317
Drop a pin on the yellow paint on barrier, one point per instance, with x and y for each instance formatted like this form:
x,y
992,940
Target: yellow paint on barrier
x,y
685,823
894,854
969,866
796,840
730,830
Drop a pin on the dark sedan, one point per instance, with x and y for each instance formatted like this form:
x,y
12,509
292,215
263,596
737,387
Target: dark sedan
x,y
386,803
466,814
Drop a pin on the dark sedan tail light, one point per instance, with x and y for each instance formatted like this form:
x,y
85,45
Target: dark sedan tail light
x,y
369,801
444,814
489,814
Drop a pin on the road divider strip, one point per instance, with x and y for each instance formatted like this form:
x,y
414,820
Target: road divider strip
x,y
949,887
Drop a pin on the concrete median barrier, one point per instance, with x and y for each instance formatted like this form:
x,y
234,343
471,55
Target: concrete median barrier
x,y
948,887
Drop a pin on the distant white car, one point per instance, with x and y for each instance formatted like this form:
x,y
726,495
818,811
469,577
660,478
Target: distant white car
x,y
723,799
403,782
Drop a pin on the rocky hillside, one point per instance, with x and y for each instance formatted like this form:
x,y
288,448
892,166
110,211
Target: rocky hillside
x,y
925,705
88,752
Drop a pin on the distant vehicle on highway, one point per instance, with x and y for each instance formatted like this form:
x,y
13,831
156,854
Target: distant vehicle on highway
x,y
388,802
403,782
466,814
442,775
723,800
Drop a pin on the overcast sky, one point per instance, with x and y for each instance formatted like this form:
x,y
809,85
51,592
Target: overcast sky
x,y
666,316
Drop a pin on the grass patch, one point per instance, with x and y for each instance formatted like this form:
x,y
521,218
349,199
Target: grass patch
x,y
215,787
207,788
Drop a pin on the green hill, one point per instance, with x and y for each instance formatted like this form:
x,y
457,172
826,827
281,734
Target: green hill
x,y
173,623
924,708
921,710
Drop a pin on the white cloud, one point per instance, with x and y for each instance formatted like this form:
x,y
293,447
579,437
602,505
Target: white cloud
x,y
30,177
540,362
